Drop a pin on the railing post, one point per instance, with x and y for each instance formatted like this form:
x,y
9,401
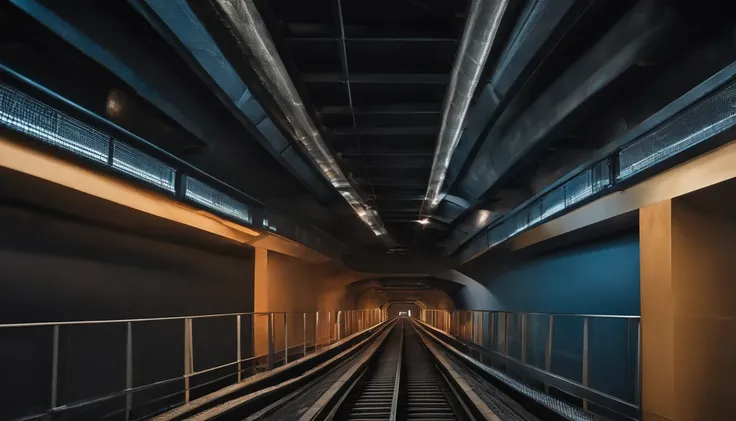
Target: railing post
x,y
55,367
473,330
188,356
338,327
548,349
270,341
286,338
523,337
492,330
461,321
585,357
238,333
316,329
329,327
128,369
304,349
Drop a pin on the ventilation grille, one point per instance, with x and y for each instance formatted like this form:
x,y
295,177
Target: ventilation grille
x,y
24,114
581,187
210,198
143,167
707,118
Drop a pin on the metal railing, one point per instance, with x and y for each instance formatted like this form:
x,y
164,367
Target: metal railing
x,y
257,342
598,355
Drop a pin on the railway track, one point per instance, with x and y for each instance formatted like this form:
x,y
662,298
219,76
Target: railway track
x,y
396,374
402,383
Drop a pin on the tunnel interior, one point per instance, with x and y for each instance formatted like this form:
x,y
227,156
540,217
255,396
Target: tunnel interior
x,y
410,309
196,193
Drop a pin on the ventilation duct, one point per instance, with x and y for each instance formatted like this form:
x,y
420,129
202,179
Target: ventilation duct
x,y
244,22
481,27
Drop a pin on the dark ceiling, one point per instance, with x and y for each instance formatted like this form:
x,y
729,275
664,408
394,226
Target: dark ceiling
x,y
376,73
564,79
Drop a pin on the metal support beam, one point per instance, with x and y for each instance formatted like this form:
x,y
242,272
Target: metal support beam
x,y
188,356
55,367
376,78
392,109
128,369
238,331
271,351
384,131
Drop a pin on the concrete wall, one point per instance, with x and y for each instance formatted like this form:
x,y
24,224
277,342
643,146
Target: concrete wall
x,y
56,267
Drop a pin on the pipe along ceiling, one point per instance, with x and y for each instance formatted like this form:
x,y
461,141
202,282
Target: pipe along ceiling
x,y
480,31
246,24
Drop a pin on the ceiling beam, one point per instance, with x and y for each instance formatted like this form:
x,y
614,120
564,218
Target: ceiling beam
x,y
373,39
397,197
367,152
383,131
398,78
385,109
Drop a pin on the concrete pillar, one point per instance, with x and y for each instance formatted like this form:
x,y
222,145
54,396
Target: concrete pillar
x,y
688,308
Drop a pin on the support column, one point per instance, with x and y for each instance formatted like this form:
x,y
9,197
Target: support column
x,y
260,303
688,310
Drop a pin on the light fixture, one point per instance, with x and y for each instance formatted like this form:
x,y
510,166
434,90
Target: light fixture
x,y
424,221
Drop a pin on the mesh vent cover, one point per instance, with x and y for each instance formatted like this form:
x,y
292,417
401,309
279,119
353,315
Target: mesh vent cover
x,y
24,114
212,199
706,118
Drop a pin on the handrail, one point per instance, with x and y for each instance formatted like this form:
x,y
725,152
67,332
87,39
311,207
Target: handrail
x,y
613,403
339,324
491,331
603,316
159,319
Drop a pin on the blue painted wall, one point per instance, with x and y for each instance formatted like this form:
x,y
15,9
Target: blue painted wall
x,y
596,277
600,277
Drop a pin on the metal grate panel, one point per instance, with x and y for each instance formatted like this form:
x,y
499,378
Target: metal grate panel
x,y
535,212
707,118
23,114
143,167
578,188
553,202
601,173
568,411
210,198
